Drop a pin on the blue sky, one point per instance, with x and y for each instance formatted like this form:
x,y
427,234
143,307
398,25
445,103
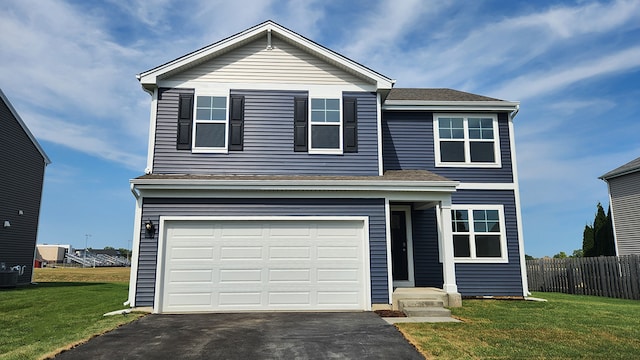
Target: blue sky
x,y
69,67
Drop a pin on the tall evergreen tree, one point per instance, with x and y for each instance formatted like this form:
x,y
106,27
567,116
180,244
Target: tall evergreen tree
x,y
587,241
599,231
609,246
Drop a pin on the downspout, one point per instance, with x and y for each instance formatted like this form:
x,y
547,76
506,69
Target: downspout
x,y
133,276
523,263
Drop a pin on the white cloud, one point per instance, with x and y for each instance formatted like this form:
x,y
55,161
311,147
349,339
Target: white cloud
x,y
545,83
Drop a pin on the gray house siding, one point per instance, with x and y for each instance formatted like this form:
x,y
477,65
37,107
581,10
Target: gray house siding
x,y
407,144
625,207
478,279
268,140
426,254
153,208
21,177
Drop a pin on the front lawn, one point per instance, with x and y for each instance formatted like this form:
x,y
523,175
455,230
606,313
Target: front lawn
x,y
565,327
39,320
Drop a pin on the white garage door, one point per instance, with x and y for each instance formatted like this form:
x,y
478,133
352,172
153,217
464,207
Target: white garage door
x,y
264,265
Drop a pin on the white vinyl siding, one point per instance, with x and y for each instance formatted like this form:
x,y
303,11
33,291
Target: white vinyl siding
x,y
235,265
254,63
625,207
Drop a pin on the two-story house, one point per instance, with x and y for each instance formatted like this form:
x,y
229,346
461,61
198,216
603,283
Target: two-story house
x,y
22,168
284,176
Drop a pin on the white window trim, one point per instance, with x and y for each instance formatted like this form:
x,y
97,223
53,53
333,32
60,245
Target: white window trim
x,y
503,235
324,95
210,150
467,141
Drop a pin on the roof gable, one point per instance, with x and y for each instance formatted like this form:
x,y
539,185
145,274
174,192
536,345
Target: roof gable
x,y
628,168
266,30
24,127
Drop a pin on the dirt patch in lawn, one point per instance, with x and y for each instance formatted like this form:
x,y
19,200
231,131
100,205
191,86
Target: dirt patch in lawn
x,y
390,313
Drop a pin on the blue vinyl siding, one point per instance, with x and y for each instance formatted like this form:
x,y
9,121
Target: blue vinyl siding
x,y
408,144
153,208
479,279
426,254
268,140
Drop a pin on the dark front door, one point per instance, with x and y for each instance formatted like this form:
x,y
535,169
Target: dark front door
x,y
400,266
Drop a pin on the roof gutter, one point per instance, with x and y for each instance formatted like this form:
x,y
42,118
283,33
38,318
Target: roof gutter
x,y
291,185
451,105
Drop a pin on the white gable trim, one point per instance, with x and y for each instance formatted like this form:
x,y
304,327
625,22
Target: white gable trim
x,y
13,111
149,79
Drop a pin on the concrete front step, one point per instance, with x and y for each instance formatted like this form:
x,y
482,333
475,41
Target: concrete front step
x,y
404,303
426,312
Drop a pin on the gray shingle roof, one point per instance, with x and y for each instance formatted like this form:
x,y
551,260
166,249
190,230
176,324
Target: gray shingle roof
x,y
435,95
630,167
390,175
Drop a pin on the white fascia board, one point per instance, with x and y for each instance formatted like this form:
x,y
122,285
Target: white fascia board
x,y
295,185
150,77
450,105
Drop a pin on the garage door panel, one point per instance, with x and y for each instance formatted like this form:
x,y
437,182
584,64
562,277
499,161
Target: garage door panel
x,y
241,275
262,265
339,253
241,253
289,275
190,276
289,252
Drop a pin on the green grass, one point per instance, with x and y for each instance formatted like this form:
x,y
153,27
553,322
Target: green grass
x,y
40,320
565,327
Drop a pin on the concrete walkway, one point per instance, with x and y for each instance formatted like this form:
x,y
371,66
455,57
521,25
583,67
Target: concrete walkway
x,y
353,335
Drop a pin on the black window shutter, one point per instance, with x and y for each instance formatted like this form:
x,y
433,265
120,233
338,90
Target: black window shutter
x,y
350,125
300,124
236,122
185,119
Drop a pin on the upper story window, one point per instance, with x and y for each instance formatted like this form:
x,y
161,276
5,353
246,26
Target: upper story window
x,y
326,126
478,233
211,124
466,140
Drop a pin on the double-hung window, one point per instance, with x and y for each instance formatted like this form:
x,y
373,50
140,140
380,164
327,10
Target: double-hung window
x,y
478,233
466,140
211,124
326,126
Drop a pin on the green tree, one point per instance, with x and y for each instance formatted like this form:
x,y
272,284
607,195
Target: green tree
x,y
577,253
597,240
560,255
528,257
599,231
608,242
587,241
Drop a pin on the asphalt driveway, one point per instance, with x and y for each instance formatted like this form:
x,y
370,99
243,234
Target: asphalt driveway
x,y
359,335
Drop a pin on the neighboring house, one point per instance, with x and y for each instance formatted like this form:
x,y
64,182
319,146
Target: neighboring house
x,y
283,176
52,253
624,197
22,164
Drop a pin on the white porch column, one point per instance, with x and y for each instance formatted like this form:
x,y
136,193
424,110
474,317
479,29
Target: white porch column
x,y
446,250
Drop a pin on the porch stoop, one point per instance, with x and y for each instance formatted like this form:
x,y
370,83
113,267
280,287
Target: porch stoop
x,y
413,299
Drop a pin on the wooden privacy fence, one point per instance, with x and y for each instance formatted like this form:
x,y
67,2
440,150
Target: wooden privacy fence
x,y
610,276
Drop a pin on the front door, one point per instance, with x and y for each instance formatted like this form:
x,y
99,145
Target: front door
x,y
401,247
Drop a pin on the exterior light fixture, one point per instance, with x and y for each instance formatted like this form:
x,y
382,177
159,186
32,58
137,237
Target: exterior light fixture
x,y
7,224
149,228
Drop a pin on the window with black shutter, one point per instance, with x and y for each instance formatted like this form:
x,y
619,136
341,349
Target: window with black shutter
x,y
236,123
185,118
350,124
300,126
